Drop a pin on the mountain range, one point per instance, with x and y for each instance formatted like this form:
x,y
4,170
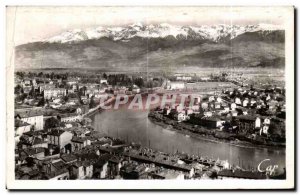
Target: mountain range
x,y
158,47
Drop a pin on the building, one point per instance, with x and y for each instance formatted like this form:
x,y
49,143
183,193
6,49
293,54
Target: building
x,y
264,130
207,114
57,171
115,164
234,113
42,87
33,152
21,127
132,171
79,142
204,105
136,89
168,174
33,142
60,138
68,158
245,102
217,105
101,167
175,85
226,109
103,81
54,92
180,116
71,118
81,170
267,121
238,101
233,106
205,78
248,124
183,78
32,117
211,98
166,111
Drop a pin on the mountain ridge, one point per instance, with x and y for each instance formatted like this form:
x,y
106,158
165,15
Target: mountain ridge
x,y
262,48
214,33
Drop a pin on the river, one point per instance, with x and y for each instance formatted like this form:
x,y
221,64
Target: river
x,y
134,126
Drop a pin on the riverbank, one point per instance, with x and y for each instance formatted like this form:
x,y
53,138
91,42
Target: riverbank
x,y
210,134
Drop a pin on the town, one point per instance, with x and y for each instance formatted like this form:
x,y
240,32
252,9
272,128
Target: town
x,y
55,137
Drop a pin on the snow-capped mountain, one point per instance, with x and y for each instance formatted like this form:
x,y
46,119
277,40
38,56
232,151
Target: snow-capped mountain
x,y
214,33
137,46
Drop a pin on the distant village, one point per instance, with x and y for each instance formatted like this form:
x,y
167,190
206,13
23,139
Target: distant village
x,y
55,138
252,114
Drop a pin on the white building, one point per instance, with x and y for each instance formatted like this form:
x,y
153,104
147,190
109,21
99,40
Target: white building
x,y
103,81
267,121
59,138
245,103
20,128
55,92
180,116
71,118
233,106
136,89
183,78
176,85
211,98
257,122
234,113
207,114
238,101
32,117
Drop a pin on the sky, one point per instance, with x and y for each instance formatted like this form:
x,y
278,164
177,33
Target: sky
x,y
32,24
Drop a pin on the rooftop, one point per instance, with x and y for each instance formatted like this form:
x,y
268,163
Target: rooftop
x,y
19,123
59,165
32,151
68,158
28,113
79,139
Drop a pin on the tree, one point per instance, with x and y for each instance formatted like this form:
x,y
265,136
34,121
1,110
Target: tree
x,y
20,74
52,75
82,91
92,102
79,98
41,102
18,89
32,92
139,82
105,75
51,123
29,161
66,98
40,74
21,97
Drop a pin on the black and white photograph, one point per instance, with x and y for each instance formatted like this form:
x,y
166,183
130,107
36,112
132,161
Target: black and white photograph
x,y
108,97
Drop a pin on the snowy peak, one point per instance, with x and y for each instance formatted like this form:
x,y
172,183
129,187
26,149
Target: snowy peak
x,y
214,33
70,36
